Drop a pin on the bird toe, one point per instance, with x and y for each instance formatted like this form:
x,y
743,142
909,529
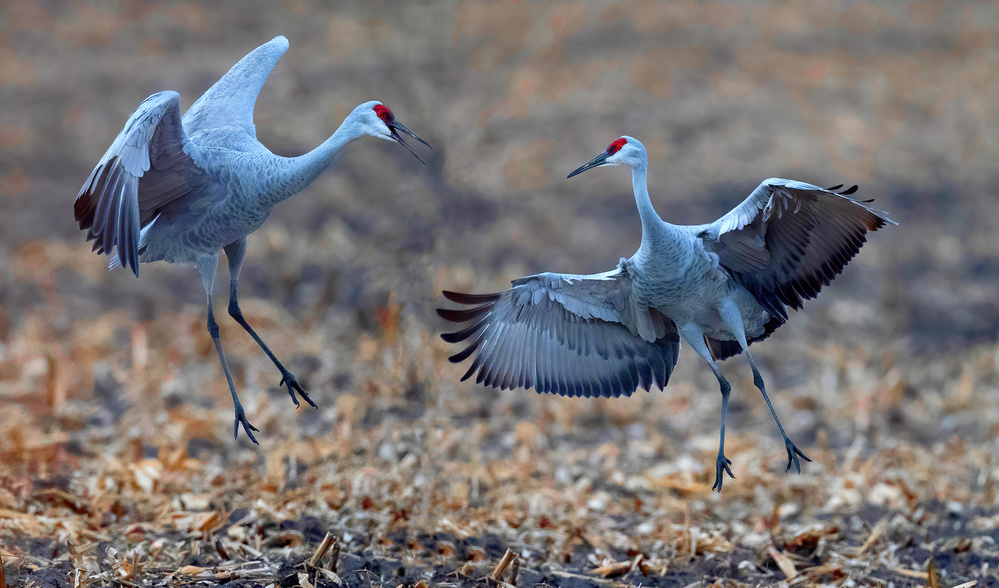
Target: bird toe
x,y
722,467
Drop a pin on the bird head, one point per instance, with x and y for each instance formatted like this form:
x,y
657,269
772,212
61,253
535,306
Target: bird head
x,y
377,120
625,151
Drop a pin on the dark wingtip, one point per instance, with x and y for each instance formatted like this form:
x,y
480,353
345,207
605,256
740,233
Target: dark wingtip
x,y
452,296
82,208
846,192
460,316
456,337
462,298
881,222
466,352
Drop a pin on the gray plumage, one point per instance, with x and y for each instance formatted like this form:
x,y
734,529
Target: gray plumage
x,y
720,286
180,189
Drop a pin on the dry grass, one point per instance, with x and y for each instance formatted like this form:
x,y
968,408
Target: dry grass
x,y
123,470
117,465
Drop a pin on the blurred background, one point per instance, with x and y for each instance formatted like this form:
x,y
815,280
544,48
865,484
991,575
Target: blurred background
x,y
888,380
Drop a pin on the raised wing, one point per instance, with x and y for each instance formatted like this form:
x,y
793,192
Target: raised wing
x,y
229,102
789,239
145,168
565,334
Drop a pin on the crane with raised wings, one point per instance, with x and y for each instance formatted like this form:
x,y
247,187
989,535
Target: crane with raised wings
x,y
720,286
181,189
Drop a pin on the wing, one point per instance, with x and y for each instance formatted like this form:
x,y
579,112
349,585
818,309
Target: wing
x,y
565,334
229,102
145,168
789,239
721,349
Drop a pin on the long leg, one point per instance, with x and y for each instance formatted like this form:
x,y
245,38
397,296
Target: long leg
x,y
733,320
206,267
695,337
234,252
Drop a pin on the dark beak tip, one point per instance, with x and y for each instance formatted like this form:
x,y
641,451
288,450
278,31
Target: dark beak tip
x,y
398,126
595,162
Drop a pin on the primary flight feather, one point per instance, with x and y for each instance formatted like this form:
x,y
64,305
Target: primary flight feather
x,y
183,188
720,286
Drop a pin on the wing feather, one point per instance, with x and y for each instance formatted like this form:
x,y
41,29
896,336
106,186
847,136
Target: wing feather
x,y
789,239
564,334
145,168
230,100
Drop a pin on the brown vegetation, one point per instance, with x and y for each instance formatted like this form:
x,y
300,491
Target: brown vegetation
x,y
117,464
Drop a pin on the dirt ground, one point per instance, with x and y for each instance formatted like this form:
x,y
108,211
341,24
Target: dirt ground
x,y
117,462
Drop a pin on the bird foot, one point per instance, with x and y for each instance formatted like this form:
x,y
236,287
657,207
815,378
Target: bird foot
x,y
722,466
241,419
293,386
792,456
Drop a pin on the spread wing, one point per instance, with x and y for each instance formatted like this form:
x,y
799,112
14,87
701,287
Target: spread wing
x,y
789,239
145,168
230,100
565,334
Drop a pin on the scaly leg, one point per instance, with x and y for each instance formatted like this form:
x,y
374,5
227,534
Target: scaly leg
x,y
733,319
206,267
235,252
695,338
792,450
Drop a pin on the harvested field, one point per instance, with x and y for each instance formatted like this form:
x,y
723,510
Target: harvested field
x,y
117,462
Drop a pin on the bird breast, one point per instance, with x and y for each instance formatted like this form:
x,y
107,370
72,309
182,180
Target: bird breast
x,y
683,289
241,194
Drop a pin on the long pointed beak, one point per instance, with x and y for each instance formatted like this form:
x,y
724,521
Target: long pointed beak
x,y
398,126
595,162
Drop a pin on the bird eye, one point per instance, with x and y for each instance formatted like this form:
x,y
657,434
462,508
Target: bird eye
x,y
616,146
383,113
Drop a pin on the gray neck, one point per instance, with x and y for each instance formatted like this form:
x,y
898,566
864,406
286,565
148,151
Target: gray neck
x,y
653,227
296,173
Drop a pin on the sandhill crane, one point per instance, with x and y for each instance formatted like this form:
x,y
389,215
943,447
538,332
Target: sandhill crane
x,y
720,286
179,189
